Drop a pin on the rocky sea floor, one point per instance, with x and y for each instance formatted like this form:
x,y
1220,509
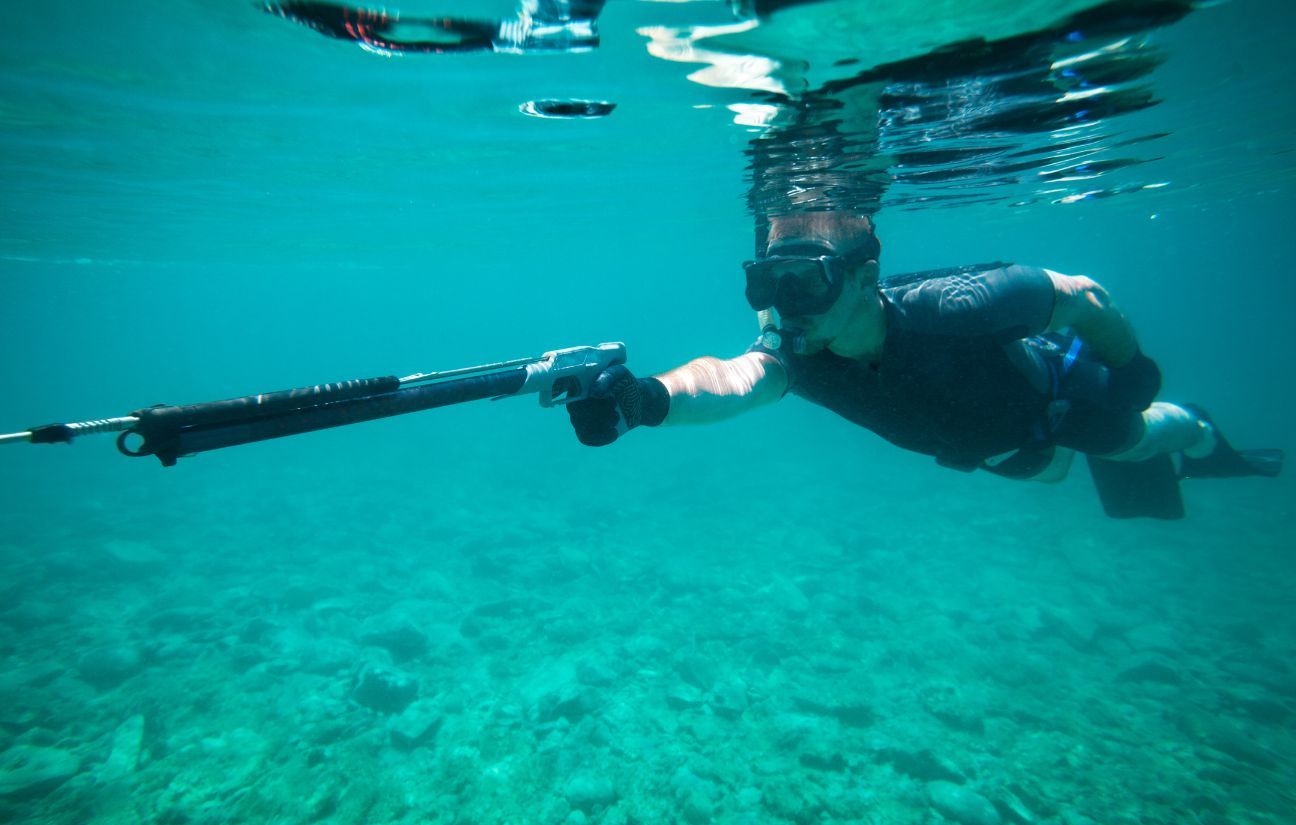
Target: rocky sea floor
x,y
946,649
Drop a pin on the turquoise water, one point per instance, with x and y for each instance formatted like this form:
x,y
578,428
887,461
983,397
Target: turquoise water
x,y
777,619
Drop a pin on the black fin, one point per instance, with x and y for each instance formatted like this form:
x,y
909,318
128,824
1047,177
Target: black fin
x,y
1137,489
1226,462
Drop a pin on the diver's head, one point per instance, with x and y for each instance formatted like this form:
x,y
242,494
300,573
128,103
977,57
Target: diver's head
x,y
843,230
817,270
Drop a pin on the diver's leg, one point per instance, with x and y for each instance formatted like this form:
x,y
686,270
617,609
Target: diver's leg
x,y
1057,468
1169,428
1134,477
1147,488
1049,465
1222,460
1189,432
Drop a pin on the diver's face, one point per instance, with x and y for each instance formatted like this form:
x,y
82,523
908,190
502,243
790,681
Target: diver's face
x,y
821,330
837,233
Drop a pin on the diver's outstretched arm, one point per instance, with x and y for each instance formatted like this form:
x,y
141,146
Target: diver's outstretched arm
x,y
712,389
703,390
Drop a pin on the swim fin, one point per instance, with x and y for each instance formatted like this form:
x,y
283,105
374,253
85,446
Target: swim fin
x,y
1226,462
1137,489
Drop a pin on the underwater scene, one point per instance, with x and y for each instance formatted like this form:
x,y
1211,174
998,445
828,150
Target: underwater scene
x,y
736,338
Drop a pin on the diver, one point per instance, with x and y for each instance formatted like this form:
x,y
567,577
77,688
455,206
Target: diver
x,y
1010,369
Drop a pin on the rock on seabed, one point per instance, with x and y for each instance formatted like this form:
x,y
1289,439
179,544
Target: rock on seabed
x,y
385,690
30,772
108,666
961,804
587,792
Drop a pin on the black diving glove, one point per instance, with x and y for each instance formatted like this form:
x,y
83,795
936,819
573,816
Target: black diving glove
x,y
1136,383
616,397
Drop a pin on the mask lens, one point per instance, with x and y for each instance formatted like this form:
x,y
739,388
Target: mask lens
x,y
805,290
797,269
792,285
761,286
804,283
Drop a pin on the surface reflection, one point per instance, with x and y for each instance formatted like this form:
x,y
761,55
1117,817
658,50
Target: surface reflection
x,y
1019,119
538,26
855,106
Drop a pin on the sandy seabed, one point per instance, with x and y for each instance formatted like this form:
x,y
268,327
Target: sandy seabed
x,y
946,648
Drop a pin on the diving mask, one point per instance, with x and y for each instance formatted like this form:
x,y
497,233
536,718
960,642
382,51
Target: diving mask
x,y
800,279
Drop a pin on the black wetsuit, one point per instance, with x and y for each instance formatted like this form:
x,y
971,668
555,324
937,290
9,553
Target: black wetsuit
x,y
967,374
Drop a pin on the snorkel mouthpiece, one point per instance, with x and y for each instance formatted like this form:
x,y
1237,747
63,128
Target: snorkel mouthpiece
x,y
772,336
799,345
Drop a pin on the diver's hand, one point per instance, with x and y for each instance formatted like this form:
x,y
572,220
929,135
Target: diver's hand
x,y
618,402
1136,383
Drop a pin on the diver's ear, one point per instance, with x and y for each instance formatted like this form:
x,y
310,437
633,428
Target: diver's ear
x,y
869,273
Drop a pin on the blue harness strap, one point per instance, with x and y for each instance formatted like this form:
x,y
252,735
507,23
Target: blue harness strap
x,y
1035,455
1073,352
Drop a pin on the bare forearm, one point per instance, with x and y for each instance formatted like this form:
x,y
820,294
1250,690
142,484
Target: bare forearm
x,y
1085,307
712,389
1111,337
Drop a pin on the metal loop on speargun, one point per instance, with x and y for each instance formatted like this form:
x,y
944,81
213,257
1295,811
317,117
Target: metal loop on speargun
x,y
124,450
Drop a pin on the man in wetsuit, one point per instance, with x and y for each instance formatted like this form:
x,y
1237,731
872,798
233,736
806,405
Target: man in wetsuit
x,y
1011,369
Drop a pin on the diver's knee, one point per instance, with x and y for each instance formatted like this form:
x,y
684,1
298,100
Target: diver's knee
x,y
1047,465
1057,468
1167,428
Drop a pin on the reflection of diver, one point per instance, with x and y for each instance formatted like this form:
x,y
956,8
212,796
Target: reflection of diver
x,y
540,26
965,122
1010,369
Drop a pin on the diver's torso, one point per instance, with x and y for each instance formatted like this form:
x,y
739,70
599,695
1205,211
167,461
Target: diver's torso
x,y
962,395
